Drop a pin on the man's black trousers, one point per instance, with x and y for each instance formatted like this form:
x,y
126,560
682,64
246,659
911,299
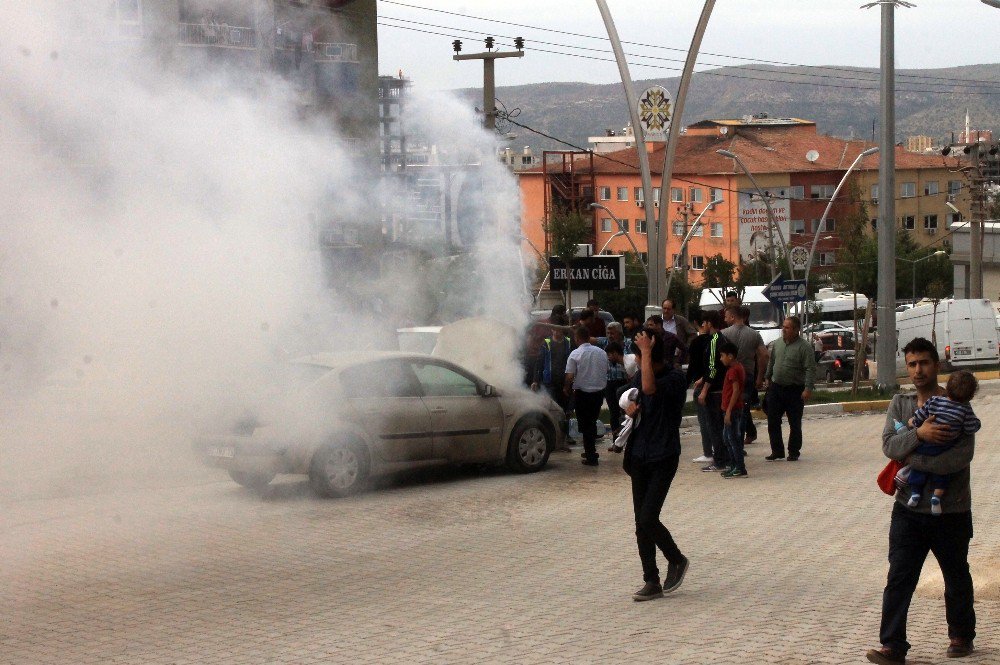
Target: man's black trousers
x,y
650,484
588,410
911,536
785,400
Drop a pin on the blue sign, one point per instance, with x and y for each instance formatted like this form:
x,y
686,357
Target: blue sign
x,y
782,291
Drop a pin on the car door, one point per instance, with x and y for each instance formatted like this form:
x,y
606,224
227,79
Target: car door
x,y
383,399
466,424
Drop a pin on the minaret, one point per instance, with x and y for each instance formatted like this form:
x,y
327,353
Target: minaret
x,y
968,131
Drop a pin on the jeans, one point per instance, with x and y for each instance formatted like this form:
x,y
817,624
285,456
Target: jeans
x,y
750,400
716,423
911,536
588,409
782,400
733,436
611,398
706,437
650,484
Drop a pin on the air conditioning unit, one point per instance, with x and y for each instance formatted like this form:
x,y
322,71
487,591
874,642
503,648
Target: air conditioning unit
x,y
640,204
931,232
951,198
875,201
656,204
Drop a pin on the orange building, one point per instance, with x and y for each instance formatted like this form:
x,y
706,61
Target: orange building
x,y
797,167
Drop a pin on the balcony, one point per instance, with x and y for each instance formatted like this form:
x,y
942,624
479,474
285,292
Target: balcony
x,y
216,34
335,52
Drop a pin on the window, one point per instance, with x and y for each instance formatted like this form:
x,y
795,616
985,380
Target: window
x,y
439,381
908,190
526,160
699,231
644,256
587,191
930,222
831,225
827,258
798,192
954,218
798,227
696,195
605,193
930,188
716,229
909,222
680,229
714,194
821,191
656,194
625,225
954,187
874,222
128,14
640,226
676,261
874,193
387,378
638,193
623,193
698,262
605,225
676,195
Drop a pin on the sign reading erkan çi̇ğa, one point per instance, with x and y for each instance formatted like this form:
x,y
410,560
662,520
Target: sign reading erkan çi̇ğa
x,y
591,273
755,227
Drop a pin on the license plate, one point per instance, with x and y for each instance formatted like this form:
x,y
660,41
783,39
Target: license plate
x,y
963,352
227,452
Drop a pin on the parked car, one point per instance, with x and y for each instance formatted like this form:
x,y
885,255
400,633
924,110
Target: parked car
x,y
827,326
838,365
965,332
352,416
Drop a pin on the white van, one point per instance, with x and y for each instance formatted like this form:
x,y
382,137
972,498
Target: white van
x,y
764,317
966,332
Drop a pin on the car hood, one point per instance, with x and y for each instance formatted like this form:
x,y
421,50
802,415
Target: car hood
x,y
486,347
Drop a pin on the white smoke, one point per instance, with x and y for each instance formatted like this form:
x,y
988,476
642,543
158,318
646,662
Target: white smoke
x,y
158,246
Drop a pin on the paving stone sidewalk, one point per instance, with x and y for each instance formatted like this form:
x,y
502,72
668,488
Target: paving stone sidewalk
x,y
460,566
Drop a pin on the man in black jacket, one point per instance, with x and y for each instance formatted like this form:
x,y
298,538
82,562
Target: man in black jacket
x,y
651,459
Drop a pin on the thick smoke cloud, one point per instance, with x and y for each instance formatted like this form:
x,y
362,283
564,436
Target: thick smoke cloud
x,y
158,251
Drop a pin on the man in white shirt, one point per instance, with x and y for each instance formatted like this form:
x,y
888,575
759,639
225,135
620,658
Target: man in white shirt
x,y
587,377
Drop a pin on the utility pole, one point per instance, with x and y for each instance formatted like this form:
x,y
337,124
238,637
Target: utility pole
x,y
489,57
885,346
977,190
684,249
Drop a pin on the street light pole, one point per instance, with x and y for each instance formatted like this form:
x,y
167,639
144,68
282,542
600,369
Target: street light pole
x,y
690,233
913,271
622,232
773,225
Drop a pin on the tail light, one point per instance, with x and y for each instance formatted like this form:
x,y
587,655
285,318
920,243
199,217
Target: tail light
x,y
947,352
836,363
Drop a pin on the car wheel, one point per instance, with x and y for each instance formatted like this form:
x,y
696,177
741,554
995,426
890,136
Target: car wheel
x,y
252,480
338,469
529,447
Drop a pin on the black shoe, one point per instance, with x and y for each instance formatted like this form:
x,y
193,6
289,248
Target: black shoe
x,y
649,591
793,458
590,461
774,458
675,575
886,656
959,648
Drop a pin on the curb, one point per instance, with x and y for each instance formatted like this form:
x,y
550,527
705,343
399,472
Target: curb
x,y
833,408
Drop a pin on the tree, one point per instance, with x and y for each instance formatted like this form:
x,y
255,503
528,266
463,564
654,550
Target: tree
x,y
632,298
718,273
567,229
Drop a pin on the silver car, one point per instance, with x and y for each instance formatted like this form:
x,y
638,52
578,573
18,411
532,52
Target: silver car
x,y
363,414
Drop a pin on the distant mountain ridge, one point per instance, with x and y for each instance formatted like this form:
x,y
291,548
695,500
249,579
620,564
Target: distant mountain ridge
x,y
829,96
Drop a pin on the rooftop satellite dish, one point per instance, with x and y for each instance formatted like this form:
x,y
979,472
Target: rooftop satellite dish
x,y
723,130
812,155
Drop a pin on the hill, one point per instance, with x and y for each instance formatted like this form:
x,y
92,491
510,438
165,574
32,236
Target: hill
x,y
928,101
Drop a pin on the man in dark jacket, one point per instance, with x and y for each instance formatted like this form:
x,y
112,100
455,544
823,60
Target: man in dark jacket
x,y
651,459
913,532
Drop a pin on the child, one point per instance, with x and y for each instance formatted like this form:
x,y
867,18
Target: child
x,y
732,406
952,410
617,379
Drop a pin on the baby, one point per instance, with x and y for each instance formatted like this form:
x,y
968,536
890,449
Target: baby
x,y
952,410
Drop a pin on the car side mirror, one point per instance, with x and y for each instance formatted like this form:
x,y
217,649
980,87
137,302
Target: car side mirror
x,y
488,391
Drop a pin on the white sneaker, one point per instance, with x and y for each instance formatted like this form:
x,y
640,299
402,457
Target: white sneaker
x,y
701,460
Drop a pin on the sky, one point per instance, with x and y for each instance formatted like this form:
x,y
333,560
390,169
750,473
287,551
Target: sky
x,y
806,32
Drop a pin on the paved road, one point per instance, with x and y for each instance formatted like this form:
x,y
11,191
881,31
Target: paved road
x,y
455,566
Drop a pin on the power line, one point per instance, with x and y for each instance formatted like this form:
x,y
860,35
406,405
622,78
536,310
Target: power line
x,y
950,86
706,72
670,48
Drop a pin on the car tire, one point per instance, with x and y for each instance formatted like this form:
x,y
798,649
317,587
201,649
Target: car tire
x,y
339,469
530,445
252,480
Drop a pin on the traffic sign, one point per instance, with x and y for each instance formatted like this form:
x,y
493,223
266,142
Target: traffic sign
x,y
655,110
782,291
